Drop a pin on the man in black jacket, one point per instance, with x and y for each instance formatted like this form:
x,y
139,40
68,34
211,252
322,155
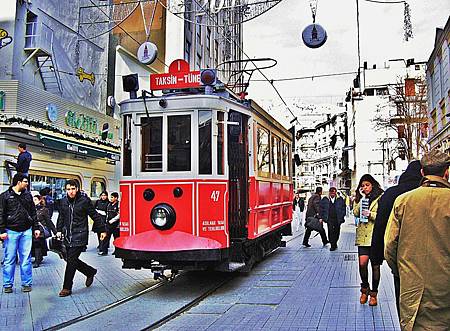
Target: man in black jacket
x,y
408,181
17,219
73,222
313,210
332,212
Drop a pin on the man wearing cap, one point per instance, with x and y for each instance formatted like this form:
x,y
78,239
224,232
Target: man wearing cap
x,y
417,247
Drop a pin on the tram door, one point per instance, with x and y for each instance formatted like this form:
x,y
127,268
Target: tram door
x,y
238,175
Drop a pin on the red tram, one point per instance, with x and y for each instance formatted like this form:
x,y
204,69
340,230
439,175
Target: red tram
x,y
206,182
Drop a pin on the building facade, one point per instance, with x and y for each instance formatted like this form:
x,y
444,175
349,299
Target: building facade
x,y
322,156
386,119
53,88
438,83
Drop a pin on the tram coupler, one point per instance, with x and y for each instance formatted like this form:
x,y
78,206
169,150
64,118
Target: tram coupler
x,y
158,272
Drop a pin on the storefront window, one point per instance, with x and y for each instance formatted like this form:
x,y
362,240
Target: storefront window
x,y
98,185
179,143
55,184
204,140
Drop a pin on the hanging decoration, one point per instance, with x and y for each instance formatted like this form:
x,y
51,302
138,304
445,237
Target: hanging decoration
x,y
147,51
407,26
314,35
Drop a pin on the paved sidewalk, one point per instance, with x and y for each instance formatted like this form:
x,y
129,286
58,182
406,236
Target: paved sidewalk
x,y
42,307
297,288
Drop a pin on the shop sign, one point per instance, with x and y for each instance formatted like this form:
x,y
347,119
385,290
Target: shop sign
x,y
81,122
2,100
66,146
178,77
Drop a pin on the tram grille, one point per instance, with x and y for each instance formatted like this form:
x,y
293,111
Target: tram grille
x,y
238,180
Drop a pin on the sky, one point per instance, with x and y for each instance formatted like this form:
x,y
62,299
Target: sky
x,y
277,34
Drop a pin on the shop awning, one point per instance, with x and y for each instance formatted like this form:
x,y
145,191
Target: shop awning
x,y
78,149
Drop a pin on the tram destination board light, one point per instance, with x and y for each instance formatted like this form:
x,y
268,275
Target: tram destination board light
x,y
130,83
208,78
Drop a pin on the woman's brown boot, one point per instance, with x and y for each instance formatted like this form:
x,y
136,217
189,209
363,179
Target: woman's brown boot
x,y
373,298
364,295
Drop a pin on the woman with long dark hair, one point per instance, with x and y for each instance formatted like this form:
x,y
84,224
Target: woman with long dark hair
x,y
365,209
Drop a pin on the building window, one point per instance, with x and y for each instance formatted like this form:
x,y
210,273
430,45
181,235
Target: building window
x,y
204,142
434,121
98,185
179,143
187,51
56,184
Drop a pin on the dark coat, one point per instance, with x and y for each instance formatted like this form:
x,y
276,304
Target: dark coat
x,y
17,211
408,181
23,162
313,208
339,204
43,217
101,206
112,216
300,203
73,219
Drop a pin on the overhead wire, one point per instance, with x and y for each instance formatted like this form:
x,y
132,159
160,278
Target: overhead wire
x,y
245,54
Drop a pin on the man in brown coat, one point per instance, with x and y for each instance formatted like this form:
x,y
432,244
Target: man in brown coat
x,y
417,247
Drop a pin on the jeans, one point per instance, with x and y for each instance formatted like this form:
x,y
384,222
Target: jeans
x,y
17,243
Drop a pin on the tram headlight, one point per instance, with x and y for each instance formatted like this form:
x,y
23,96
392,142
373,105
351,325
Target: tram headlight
x,y
163,216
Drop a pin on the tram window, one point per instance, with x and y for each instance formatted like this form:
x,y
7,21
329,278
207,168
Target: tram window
x,y
179,143
98,185
285,165
276,155
152,144
204,141
263,157
220,143
126,145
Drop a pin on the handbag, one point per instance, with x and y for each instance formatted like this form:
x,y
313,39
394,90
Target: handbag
x,y
57,246
45,232
313,223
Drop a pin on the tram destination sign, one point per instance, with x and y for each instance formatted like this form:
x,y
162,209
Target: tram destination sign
x,y
178,77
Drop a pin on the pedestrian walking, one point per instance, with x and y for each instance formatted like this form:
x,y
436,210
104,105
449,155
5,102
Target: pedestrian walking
x,y
113,222
39,247
313,210
332,212
418,247
298,206
23,160
17,222
408,181
365,208
100,206
46,194
73,222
